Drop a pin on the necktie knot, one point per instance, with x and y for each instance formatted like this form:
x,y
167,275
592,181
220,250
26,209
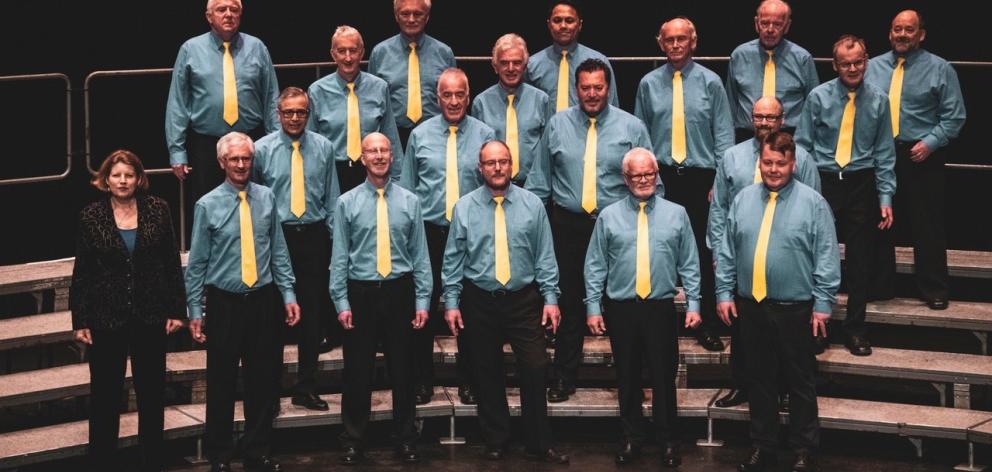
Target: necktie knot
x,y
772,196
381,192
770,54
227,46
678,74
452,129
243,196
851,95
642,205
509,99
592,121
413,46
498,200
900,61
564,53
351,87
296,145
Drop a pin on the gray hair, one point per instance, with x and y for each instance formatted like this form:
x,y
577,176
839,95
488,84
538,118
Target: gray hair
x,y
452,71
211,3
345,30
634,154
396,4
233,138
788,8
510,41
692,27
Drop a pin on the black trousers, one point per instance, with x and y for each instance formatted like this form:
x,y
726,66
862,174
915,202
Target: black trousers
x,y
919,222
853,199
492,319
380,311
571,232
108,361
644,332
778,344
351,174
690,187
241,328
423,339
310,253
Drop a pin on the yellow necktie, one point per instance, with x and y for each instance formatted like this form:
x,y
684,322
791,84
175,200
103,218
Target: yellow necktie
x,y
297,189
413,110
451,172
384,259
895,94
768,86
354,125
230,87
643,278
845,138
757,169
678,119
511,135
248,273
562,98
589,170
759,287
502,246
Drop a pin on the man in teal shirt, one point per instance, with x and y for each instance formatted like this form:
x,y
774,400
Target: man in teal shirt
x,y
930,112
499,266
640,246
777,272
238,256
512,98
380,279
331,102
439,167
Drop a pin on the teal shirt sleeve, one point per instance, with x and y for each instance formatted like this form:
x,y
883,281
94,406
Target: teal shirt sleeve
x,y
539,178
950,111
333,191
408,165
717,217
423,277
177,115
455,252
826,260
884,156
269,92
282,268
340,254
726,259
688,264
196,265
596,269
545,264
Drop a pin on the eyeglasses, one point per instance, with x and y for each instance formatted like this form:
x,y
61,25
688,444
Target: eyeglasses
x,y
768,118
493,163
294,113
642,177
847,65
376,152
237,159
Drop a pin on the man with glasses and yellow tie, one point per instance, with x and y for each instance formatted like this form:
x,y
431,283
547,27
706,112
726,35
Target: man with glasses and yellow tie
x,y
553,68
410,63
777,273
222,81
380,283
685,108
439,167
501,285
298,166
640,247
769,66
846,127
577,172
927,112
238,258
516,111
348,105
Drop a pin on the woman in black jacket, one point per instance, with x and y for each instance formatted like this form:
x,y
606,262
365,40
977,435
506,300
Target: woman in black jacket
x,y
127,295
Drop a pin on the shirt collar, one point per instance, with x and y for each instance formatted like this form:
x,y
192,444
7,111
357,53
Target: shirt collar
x,y
635,204
571,48
842,89
372,189
508,195
219,43
233,191
344,85
600,117
776,51
910,56
503,93
405,42
288,141
686,70
783,193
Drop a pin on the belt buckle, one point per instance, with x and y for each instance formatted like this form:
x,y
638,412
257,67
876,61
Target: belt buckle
x,y
840,175
680,170
498,293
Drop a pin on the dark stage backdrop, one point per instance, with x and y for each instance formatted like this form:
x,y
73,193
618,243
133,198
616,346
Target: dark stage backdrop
x,y
77,38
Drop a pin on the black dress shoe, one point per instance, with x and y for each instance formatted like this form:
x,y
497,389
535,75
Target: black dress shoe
x,y
757,461
350,455
263,464
408,453
804,462
551,456
466,395
783,403
734,398
937,303
627,454
710,341
423,394
220,467
671,457
858,345
494,453
820,344
559,392
310,401
324,346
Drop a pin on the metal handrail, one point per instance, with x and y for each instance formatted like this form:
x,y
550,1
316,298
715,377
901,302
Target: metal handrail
x,y
68,128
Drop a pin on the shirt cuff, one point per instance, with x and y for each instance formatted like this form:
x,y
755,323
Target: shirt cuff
x,y
724,297
177,158
823,306
342,305
593,308
422,304
885,200
451,302
931,142
551,298
195,312
692,305
288,296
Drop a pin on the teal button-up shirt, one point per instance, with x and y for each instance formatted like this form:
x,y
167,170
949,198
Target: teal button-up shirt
x,y
215,250
557,171
273,168
708,130
425,163
542,71
872,147
795,78
196,96
611,259
469,254
736,172
389,60
931,108
353,255
803,259
533,111
329,112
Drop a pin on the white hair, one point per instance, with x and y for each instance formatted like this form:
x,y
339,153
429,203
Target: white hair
x,y
211,3
507,42
396,4
345,30
634,154
233,138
